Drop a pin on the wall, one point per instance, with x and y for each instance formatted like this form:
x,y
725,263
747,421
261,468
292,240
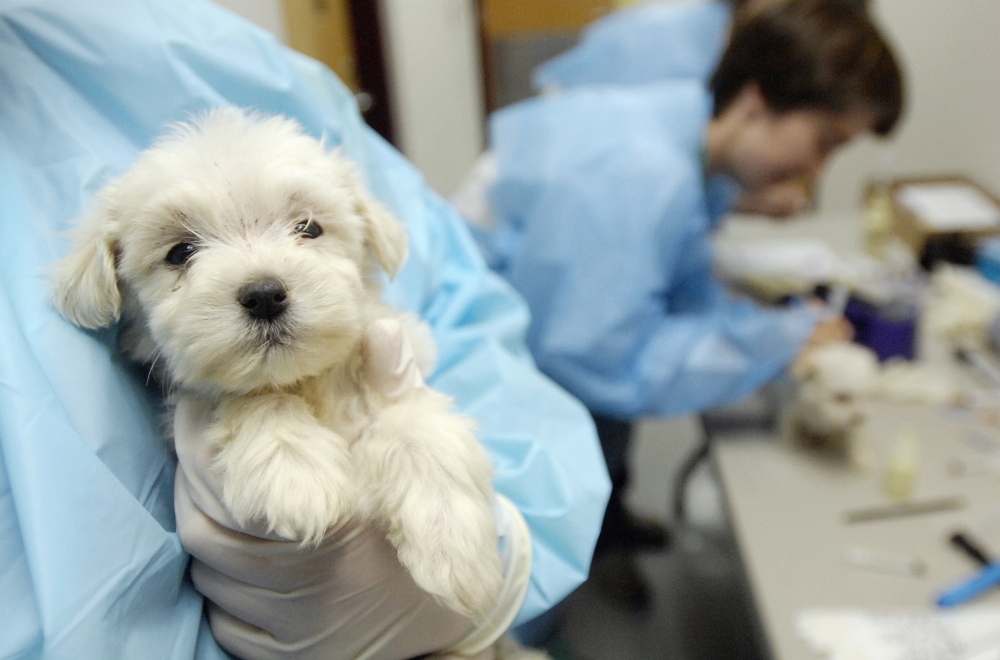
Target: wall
x,y
435,80
265,13
951,54
435,75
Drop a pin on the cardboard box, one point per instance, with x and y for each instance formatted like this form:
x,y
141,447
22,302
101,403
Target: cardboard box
x,y
929,211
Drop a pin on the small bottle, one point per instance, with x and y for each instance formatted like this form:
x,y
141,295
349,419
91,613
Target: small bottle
x,y
878,210
902,467
878,220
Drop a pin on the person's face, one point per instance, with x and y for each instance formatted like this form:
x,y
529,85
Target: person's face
x,y
777,157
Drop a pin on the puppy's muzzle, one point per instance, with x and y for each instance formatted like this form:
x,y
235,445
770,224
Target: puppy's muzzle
x,y
265,299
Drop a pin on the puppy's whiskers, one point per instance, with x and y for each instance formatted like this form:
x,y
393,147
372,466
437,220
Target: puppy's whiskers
x,y
152,364
167,386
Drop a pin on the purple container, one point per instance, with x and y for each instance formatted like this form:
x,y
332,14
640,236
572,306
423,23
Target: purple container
x,y
889,331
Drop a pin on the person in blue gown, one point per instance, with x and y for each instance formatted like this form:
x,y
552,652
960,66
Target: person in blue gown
x,y
605,198
92,565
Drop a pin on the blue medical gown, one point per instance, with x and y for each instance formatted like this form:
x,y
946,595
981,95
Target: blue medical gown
x,y
603,223
90,566
643,44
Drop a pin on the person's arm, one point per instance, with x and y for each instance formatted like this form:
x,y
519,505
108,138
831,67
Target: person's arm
x,y
672,363
96,569
632,321
748,344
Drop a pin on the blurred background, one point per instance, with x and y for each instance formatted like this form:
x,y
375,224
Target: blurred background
x,y
431,70
427,73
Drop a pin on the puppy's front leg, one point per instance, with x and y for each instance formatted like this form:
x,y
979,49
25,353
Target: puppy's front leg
x,y
278,466
428,482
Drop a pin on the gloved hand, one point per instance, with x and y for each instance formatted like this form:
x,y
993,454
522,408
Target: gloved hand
x,y
830,331
348,597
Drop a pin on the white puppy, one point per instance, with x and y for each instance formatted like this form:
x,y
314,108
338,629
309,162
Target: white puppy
x,y
833,384
243,261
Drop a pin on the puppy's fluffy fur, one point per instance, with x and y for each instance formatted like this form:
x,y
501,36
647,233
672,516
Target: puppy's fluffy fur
x,y
243,261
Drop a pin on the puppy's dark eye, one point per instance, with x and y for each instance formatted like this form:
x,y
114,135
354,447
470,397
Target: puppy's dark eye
x,y
181,253
309,229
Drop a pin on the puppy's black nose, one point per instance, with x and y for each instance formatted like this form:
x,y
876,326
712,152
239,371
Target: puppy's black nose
x,y
264,299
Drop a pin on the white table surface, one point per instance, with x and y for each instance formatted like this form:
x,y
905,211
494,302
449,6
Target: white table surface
x,y
787,510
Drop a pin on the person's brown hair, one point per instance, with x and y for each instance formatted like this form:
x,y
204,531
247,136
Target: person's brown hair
x,y
812,54
857,4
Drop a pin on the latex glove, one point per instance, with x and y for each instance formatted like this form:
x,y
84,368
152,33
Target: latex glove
x,y
348,597
830,330
826,331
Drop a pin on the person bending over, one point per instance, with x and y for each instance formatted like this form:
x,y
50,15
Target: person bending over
x,y
604,199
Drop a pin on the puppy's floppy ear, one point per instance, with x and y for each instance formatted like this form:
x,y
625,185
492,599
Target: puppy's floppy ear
x,y
84,286
386,235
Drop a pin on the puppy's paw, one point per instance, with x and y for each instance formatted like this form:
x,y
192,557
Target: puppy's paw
x,y
430,488
297,496
289,475
450,549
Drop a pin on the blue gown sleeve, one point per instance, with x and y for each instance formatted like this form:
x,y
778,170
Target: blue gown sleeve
x,y
647,43
605,226
91,565
628,342
748,345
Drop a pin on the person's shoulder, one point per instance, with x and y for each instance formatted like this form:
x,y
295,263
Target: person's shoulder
x,y
648,137
674,95
657,125
678,110
673,92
